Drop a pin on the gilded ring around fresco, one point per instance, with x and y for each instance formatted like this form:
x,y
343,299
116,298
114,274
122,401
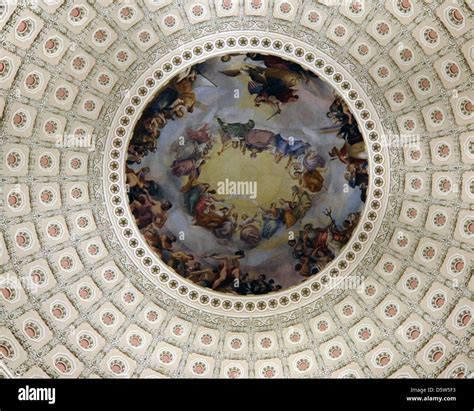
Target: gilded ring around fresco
x,y
246,173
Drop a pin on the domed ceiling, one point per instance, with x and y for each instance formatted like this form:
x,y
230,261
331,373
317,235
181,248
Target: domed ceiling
x,y
231,189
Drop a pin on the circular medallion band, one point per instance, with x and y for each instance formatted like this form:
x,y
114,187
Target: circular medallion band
x,y
115,190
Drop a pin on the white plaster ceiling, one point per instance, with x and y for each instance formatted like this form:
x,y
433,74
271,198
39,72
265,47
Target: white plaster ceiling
x,y
67,68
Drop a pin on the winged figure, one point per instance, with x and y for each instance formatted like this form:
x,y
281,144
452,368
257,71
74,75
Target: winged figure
x,y
270,85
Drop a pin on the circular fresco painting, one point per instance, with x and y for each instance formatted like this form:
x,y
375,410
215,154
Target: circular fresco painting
x,y
247,174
